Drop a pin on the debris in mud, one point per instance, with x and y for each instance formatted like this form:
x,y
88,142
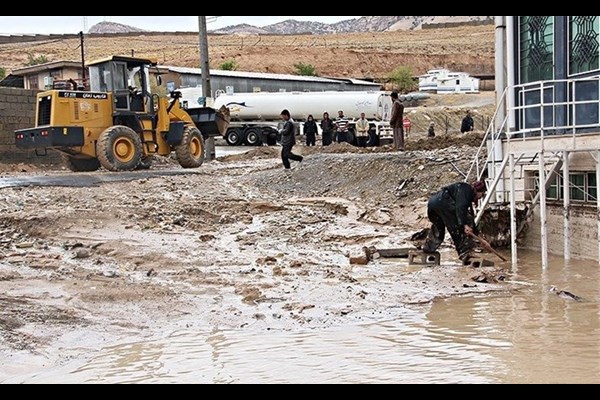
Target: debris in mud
x,y
296,264
250,295
489,277
24,245
565,294
266,260
278,271
151,272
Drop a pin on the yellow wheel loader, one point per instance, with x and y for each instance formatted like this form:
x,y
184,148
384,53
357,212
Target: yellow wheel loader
x,y
120,125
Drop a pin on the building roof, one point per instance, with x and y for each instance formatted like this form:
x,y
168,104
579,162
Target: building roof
x,y
46,67
261,75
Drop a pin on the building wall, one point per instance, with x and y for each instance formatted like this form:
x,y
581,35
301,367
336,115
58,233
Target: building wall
x,y
584,231
58,74
17,111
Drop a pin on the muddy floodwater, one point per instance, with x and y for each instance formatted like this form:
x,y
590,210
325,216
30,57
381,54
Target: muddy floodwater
x,y
532,336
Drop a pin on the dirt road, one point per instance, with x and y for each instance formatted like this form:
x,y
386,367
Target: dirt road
x,y
239,243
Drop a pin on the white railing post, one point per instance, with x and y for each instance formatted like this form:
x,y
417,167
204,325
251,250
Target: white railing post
x,y
543,216
566,206
513,213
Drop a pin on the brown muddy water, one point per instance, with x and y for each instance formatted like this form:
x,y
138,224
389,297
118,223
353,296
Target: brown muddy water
x,y
532,336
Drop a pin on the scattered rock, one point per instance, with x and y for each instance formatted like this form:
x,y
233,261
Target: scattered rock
x,y
82,253
359,260
206,238
24,245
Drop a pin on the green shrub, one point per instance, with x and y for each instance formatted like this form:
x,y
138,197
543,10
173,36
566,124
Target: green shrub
x,y
2,73
36,59
402,79
230,65
305,69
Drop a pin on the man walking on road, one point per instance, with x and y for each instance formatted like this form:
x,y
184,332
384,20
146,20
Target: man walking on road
x,y
288,140
452,208
397,121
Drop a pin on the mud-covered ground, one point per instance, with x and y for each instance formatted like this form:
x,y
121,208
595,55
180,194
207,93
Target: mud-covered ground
x,y
239,243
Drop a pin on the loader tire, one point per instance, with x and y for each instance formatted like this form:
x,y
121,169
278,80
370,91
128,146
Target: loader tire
x,y
119,148
81,164
190,153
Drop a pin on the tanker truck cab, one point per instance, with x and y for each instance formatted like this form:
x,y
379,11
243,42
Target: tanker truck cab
x,y
119,125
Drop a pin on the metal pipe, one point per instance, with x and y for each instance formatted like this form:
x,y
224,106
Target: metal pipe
x,y
500,69
510,71
566,206
543,216
513,213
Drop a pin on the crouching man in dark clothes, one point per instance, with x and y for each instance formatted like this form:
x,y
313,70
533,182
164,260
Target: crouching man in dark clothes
x,y
288,140
452,208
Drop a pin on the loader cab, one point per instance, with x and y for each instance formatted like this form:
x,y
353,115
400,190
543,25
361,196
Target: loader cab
x,y
128,79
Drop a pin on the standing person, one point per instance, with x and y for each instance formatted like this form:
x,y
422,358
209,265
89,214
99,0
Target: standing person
x,y
431,130
467,124
288,140
452,208
327,126
397,121
362,131
341,124
310,130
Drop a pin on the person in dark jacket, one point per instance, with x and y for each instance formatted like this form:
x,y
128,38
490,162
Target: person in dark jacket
x,y
310,130
452,208
467,124
327,126
288,140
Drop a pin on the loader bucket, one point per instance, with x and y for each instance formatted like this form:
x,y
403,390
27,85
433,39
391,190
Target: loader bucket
x,y
209,121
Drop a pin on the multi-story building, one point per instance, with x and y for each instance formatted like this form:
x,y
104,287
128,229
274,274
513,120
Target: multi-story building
x,y
547,131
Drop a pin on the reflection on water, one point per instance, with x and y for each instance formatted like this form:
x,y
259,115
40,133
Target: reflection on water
x,y
533,336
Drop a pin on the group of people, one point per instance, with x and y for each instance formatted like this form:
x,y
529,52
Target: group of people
x,y
336,130
449,209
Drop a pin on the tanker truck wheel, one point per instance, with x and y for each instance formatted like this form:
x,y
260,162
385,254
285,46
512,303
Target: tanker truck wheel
x,y
190,153
234,137
373,140
253,137
119,148
81,164
351,137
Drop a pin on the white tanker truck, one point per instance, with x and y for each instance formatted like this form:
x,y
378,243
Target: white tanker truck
x,y
255,117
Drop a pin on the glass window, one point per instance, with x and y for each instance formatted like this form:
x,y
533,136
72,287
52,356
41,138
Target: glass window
x,y
592,188
121,76
577,189
536,48
583,44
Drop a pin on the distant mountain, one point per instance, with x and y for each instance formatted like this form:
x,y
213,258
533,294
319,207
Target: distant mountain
x,y
362,24
113,27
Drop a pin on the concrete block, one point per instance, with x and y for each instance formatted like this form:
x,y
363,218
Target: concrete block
x,y
417,257
478,262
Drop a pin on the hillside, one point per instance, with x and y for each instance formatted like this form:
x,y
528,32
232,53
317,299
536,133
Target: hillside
x,y
362,24
359,55
113,27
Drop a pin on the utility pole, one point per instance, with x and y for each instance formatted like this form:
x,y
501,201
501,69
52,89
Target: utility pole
x,y
82,59
210,151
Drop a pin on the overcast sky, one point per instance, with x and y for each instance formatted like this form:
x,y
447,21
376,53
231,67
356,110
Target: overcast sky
x,y
72,24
